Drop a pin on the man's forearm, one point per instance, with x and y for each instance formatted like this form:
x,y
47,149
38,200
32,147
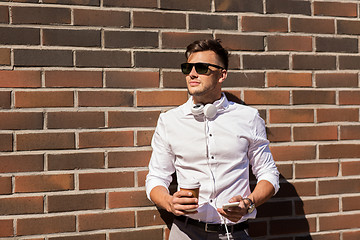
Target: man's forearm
x,y
160,196
263,191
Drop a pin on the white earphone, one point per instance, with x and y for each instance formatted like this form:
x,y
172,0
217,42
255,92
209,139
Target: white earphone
x,y
209,110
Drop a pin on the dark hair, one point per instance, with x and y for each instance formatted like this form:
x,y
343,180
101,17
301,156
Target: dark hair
x,y
209,44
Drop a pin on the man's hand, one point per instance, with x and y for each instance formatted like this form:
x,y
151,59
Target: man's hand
x,y
234,214
182,201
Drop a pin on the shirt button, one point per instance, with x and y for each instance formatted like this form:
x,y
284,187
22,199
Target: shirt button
x,y
210,135
212,157
211,200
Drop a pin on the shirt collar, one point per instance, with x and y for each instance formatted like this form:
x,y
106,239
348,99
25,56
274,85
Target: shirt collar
x,y
221,104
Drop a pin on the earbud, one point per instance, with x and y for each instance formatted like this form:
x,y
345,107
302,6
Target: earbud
x,y
209,110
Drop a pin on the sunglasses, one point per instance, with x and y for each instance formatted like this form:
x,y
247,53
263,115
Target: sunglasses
x,y
201,68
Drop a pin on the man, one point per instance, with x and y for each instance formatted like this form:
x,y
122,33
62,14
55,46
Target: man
x,y
213,141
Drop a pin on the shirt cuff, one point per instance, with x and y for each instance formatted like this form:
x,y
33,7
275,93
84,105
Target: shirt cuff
x,y
272,178
150,184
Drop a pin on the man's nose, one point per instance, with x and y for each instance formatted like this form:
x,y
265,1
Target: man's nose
x,y
193,72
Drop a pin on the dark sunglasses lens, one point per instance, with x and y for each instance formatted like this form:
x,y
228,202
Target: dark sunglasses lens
x,y
201,68
186,68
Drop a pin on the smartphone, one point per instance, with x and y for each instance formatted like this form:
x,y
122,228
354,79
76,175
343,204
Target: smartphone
x,y
228,205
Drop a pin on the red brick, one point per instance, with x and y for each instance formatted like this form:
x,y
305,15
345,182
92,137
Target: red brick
x,y
66,120
312,25
204,22
317,206
159,20
5,58
338,115
101,18
131,3
292,226
21,120
141,178
160,98
131,39
242,42
76,202
325,80
21,163
279,134
19,36
159,59
181,39
46,225
296,189
241,79
269,209
350,168
353,235
264,24
129,159
340,186
288,6
5,186
105,99
291,116
349,97
106,139
316,133
259,97
349,62
76,38
151,234
149,218
349,132
40,99
6,228
41,15
23,79
286,79
350,203
122,79
289,43
128,199
4,14
144,138
73,79
45,141
5,99
74,2
316,170
106,220
6,142
314,97
340,45
314,62
77,160
91,236
286,170
44,183
106,180
201,5
296,152
266,62
340,222
335,9
348,27
339,151
111,59
21,205
133,119
239,6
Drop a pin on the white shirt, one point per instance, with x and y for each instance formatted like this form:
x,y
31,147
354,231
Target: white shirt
x,y
216,152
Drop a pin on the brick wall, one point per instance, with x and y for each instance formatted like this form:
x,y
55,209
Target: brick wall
x,y
82,84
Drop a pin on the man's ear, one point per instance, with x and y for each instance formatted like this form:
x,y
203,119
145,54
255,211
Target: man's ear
x,y
223,75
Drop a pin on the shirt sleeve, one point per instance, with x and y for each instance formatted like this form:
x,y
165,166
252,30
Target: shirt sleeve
x,y
162,161
261,159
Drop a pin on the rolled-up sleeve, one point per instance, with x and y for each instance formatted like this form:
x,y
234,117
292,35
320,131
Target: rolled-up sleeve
x,y
261,159
161,166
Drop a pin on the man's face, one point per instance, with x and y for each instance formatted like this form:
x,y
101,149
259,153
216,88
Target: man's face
x,y
205,85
